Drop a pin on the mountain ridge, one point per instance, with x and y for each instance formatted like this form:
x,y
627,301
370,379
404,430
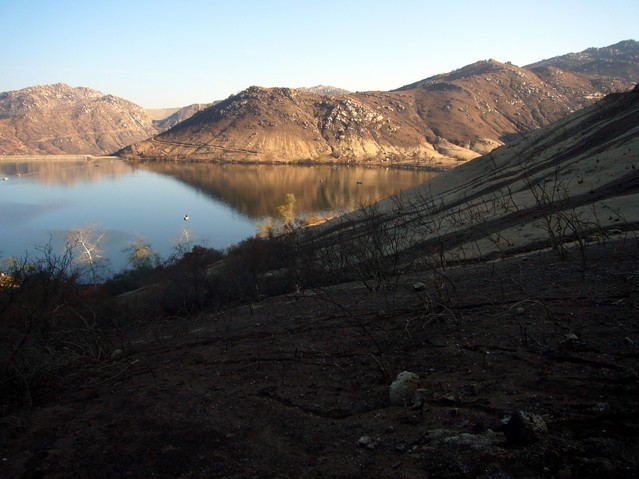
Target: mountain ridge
x,y
60,119
438,122
553,188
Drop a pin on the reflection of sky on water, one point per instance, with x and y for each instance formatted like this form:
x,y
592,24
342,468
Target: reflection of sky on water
x,y
16,213
129,203
137,205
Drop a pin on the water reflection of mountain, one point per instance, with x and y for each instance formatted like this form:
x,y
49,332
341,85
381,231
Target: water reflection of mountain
x,y
64,172
257,190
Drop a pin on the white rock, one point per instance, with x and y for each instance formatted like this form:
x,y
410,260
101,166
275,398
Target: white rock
x,y
365,441
419,286
117,354
403,387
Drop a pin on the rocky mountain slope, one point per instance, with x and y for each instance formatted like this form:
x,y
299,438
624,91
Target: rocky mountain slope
x,y
609,67
565,186
55,119
437,122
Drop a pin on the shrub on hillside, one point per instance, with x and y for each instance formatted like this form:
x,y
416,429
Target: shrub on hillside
x,y
47,321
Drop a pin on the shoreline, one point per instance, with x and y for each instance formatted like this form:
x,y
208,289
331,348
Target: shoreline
x,y
302,163
14,158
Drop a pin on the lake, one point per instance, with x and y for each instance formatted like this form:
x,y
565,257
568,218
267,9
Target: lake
x,y
41,200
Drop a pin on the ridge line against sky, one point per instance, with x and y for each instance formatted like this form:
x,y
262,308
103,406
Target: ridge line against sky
x,y
162,54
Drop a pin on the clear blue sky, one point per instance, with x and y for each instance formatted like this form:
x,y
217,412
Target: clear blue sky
x,y
173,53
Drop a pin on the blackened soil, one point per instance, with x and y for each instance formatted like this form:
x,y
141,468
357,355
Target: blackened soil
x,y
290,386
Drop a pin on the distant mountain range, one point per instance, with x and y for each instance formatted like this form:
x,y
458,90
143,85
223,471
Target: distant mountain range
x,y
178,115
59,119
439,121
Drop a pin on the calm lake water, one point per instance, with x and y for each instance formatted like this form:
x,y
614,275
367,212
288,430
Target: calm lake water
x,y
41,200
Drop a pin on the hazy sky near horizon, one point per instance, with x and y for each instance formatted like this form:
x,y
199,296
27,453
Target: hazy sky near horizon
x,y
174,53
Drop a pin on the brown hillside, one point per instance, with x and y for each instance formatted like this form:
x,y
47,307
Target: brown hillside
x,y
607,69
559,187
283,125
58,119
437,122
499,100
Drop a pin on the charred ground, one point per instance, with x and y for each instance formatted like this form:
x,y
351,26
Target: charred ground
x,y
292,385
